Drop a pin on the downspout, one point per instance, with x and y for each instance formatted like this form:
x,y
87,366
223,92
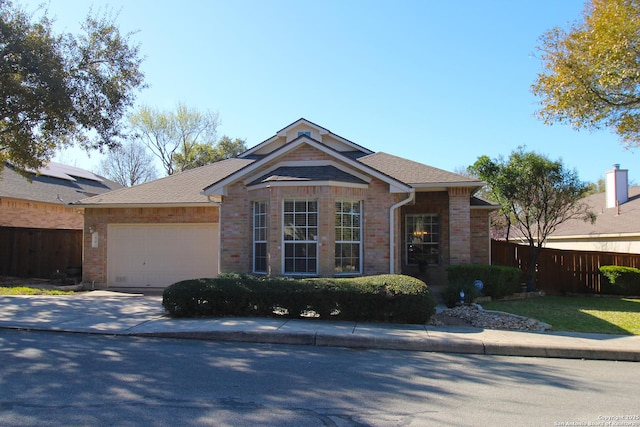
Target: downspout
x,y
219,205
392,237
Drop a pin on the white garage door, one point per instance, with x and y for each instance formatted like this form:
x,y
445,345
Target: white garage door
x,y
160,254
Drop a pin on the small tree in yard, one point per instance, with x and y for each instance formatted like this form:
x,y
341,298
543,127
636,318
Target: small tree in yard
x,y
536,194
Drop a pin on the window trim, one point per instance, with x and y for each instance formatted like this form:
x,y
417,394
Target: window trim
x,y
294,241
266,232
358,242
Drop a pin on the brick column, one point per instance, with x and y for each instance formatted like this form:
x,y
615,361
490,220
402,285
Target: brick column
x,y
459,226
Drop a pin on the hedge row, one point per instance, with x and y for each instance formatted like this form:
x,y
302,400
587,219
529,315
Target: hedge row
x,y
620,280
384,298
498,281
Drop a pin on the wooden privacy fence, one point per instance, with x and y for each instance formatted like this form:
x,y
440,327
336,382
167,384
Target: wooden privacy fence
x,y
38,253
562,271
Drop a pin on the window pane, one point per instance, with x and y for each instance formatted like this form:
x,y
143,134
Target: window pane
x,y
422,239
300,233
288,219
348,237
288,233
260,261
288,206
300,206
259,237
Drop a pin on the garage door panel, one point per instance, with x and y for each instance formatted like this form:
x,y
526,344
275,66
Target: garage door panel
x,y
158,255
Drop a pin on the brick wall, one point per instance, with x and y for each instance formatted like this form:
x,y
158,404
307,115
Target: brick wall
x,y
236,225
459,226
28,214
237,221
95,259
480,237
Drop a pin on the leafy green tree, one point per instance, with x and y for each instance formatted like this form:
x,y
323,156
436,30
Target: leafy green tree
x,y
175,137
591,77
205,153
536,194
129,164
63,89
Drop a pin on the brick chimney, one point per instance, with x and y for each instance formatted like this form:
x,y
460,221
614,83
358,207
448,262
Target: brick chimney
x,y
616,185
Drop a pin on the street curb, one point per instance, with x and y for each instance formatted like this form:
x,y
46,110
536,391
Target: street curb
x,y
558,352
431,344
460,346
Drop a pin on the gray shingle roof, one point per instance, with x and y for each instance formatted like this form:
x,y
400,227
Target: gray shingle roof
x,y
178,189
54,187
186,187
609,220
411,172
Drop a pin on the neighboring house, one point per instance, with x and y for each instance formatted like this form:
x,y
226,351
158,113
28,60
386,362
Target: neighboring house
x,y
40,233
305,202
617,227
42,200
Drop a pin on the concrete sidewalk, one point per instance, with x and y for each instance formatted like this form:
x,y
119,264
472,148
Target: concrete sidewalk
x,y
112,313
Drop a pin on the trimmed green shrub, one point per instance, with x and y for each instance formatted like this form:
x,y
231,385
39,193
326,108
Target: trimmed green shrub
x,y
385,298
620,280
499,281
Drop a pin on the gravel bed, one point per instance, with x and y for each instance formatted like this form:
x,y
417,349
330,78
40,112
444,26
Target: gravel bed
x,y
474,315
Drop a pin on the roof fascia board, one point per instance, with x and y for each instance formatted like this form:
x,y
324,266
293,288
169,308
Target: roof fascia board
x,y
26,200
485,208
141,205
220,187
291,163
594,236
428,186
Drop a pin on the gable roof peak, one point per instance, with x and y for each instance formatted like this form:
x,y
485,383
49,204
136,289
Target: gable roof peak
x,y
303,121
287,134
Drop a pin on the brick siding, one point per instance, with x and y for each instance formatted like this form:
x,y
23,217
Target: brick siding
x,y
237,221
28,214
480,240
459,226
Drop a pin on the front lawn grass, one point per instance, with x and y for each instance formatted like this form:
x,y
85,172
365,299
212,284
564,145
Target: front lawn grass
x,y
578,314
24,290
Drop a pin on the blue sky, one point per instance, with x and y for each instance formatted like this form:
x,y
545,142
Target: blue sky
x,y
438,82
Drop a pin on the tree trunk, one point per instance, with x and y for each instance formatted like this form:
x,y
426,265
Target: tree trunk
x,y
534,254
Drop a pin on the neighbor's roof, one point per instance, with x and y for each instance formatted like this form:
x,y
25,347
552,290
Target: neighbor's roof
x,y
54,183
178,189
625,220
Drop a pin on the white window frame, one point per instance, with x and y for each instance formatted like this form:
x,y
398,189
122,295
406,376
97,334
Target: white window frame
x,y
342,233
300,234
258,227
